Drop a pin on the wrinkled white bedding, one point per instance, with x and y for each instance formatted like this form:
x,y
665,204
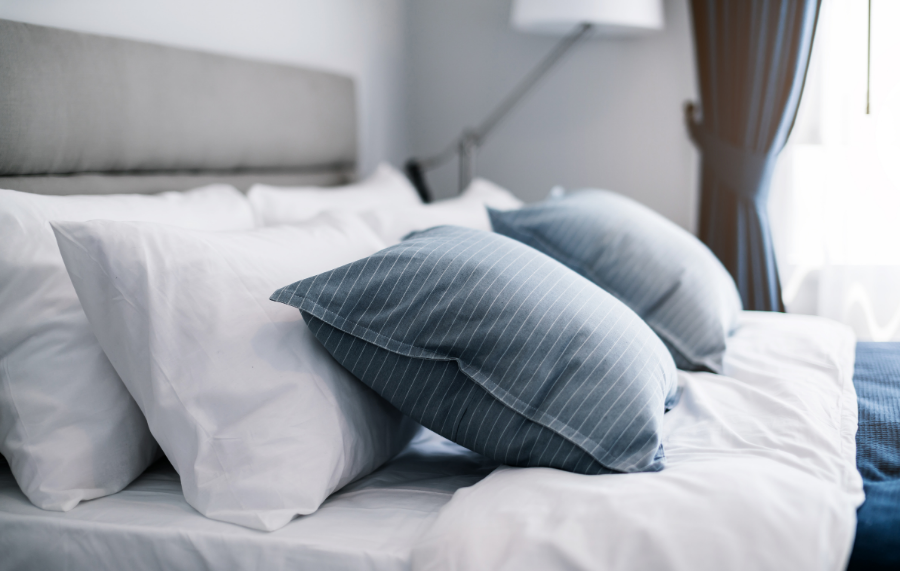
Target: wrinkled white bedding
x,y
761,475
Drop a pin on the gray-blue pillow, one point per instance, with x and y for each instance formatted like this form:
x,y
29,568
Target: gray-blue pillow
x,y
662,272
499,348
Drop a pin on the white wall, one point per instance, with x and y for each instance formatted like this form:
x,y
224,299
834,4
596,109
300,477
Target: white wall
x,y
610,116
360,38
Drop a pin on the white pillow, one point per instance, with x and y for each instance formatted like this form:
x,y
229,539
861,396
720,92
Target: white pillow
x,y
392,223
275,205
259,420
68,427
491,195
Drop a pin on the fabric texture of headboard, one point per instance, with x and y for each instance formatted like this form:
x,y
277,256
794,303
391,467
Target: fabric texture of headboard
x,y
88,114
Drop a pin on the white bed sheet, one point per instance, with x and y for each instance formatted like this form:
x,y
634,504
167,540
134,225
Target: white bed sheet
x,y
761,475
371,524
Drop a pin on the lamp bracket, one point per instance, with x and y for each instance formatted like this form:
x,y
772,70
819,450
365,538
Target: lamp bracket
x,y
466,145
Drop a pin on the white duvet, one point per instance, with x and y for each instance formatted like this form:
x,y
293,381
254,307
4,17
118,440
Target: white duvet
x,y
761,474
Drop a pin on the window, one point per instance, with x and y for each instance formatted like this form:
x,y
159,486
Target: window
x,y
835,197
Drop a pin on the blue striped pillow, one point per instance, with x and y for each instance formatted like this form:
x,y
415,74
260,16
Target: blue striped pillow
x,y
667,276
499,348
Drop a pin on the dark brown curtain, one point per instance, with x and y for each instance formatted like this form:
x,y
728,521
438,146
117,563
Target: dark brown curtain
x,y
752,57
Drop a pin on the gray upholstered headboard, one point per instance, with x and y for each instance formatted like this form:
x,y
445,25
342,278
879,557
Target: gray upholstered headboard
x,y
87,114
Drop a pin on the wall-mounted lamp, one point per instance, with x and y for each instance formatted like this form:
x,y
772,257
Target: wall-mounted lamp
x,y
577,19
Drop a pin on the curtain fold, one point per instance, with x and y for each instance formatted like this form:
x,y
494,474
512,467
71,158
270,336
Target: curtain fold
x,y
752,58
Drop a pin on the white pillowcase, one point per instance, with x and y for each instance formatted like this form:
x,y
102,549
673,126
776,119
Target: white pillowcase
x,y
491,195
275,205
259,420
68,427
392,223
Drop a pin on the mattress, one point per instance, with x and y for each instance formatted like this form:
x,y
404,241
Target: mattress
x,y
761,474
371,524
877,381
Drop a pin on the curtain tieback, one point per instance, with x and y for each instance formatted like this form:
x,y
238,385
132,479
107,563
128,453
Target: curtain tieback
x,y
741,171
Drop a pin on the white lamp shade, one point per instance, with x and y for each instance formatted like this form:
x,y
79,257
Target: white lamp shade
x,y
609,17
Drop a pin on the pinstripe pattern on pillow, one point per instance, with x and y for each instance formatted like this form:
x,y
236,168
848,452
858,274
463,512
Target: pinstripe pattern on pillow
x,y
662,272
498,347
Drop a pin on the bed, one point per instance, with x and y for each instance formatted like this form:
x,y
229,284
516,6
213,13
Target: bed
x,y
762,459
402,516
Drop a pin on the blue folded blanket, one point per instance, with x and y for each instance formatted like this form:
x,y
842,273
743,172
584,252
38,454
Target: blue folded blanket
x,y
877,381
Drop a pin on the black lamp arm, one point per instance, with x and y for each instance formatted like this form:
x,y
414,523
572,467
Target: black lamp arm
x,y
416,176
468,142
